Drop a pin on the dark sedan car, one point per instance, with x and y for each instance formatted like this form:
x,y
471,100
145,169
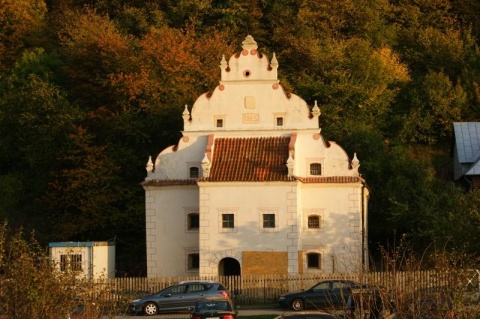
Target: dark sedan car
x,y
214,309
177,298
325,295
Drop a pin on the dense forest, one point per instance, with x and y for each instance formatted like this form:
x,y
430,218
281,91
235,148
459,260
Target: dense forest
x,y
90,88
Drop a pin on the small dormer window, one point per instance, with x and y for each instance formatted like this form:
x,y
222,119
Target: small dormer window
x,y
194,172
219,122
315,169
279,121
314,221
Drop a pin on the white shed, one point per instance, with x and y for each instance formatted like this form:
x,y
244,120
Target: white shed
x,y
92,259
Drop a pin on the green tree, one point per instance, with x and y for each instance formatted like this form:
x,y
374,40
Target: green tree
x,y
28,278
35,118
434,102
21,22
87,196
93,49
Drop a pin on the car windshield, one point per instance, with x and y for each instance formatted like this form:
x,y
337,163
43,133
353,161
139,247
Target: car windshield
x,y
213,306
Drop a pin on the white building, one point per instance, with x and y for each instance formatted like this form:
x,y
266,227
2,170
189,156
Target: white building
x,y
94,260
252,187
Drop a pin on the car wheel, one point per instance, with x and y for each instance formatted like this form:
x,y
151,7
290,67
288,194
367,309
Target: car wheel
x,y
297,304
150,309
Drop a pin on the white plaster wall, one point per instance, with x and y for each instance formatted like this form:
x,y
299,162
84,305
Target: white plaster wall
x,y
56,252
249,60
312,148
230,104
340,208
168,239
248,202
103,261
98,261
174,164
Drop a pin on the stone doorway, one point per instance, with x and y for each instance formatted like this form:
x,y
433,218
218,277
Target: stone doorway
x,y
229,267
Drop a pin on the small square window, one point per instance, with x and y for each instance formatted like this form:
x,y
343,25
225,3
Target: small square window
x,y
219,122
193,221
313,221
71,262
279,121
313,260
268,220
315,169
228,221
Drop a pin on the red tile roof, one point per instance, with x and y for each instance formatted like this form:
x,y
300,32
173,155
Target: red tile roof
x,y
253,159
169,182
331,179
250,159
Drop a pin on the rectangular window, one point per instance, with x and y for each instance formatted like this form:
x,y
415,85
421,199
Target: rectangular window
x,y
63,262
193,221
228,221
315,169
71,262
279,121
219,122
313,260
268,220
194,172
314,221
193,261
76,262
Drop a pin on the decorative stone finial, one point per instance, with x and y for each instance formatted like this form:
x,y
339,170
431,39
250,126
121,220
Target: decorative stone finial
x,y
316,109
223,63
249,43
186,113
355,164
149,166
274,62
206,166
290,164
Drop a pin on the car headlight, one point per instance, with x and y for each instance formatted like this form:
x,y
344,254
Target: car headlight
x,y
282,298
135,301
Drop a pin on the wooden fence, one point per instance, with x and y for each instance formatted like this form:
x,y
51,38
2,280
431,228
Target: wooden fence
x,y
267,289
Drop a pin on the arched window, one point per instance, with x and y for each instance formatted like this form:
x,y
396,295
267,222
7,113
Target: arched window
x,y
315,169
314,221
314,260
